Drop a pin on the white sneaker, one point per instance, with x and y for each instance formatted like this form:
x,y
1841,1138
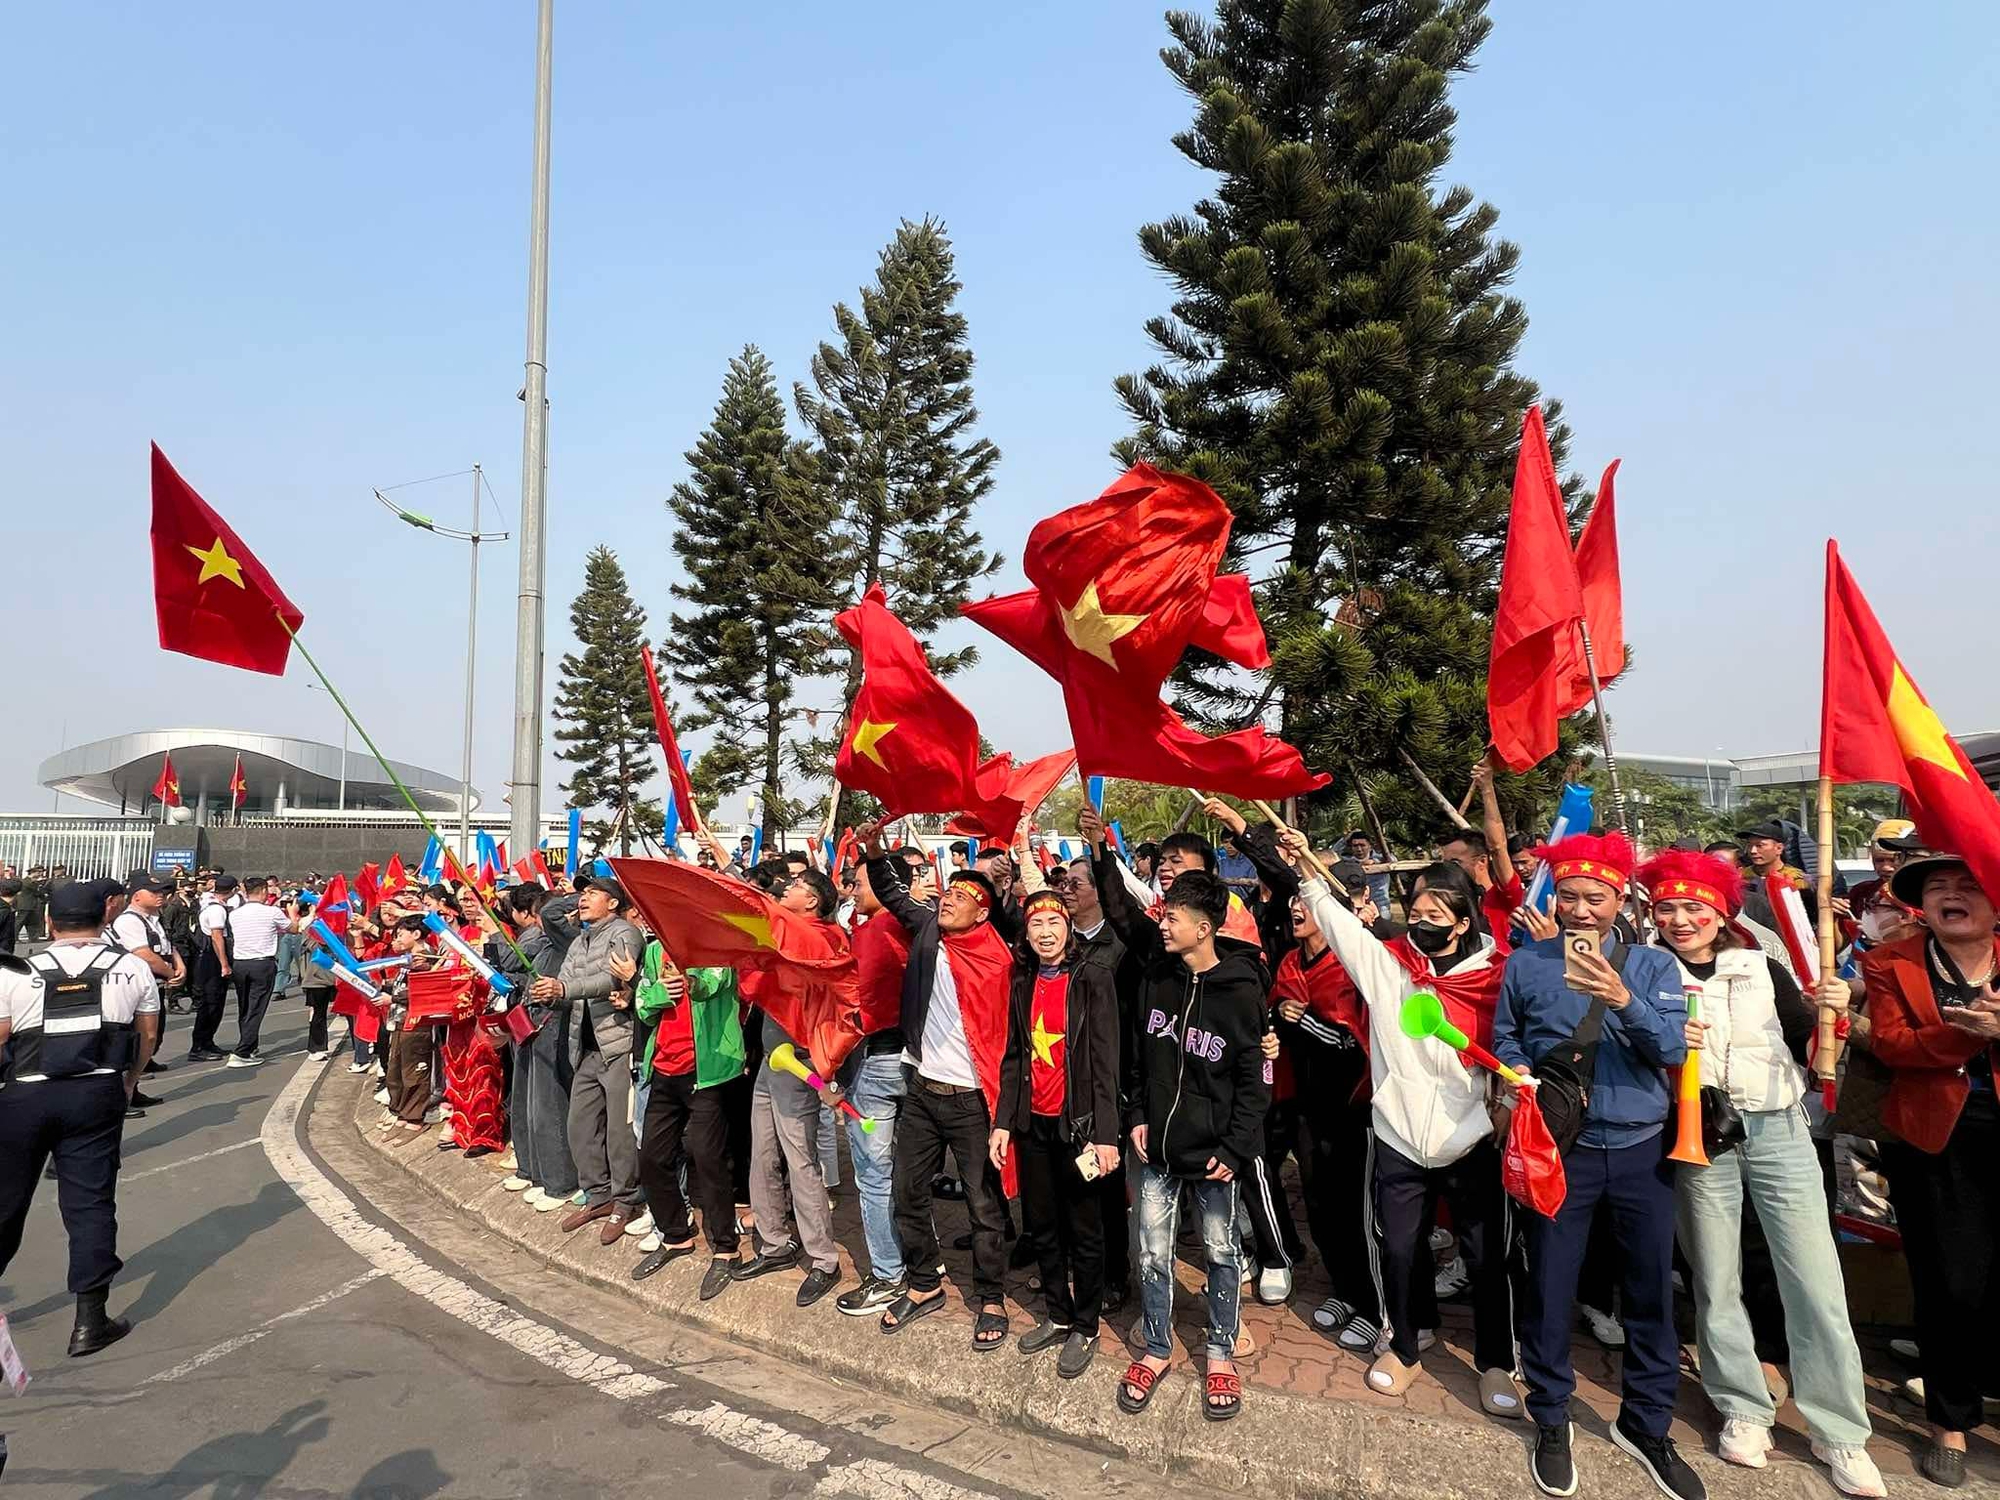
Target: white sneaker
x,y
549,1204
381,1096
357,1067
1452,1280
315,1057
532,1197
1606,1329
1744,1444
515,1184
242,1062
651,1243
1854,1472
640,1227
1274,1286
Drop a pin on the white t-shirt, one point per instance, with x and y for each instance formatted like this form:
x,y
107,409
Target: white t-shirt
x,y
128,986
135,930
254,929
947,1054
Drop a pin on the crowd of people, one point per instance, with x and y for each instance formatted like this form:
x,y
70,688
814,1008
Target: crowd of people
x,y
1111,1045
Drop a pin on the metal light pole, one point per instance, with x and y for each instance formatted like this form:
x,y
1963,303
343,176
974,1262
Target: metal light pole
x,y
475,537
525,790
343,752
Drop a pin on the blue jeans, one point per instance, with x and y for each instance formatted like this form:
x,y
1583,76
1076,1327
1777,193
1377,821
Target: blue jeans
x,y
1777,1166
1159,1216
875,1087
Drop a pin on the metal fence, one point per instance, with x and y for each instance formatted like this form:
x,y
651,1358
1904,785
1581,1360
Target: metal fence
x,y
88,846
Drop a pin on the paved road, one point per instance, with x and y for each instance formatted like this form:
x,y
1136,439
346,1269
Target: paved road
x,y
292,1341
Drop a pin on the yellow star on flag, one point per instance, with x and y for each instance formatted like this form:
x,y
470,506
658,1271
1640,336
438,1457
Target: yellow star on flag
x,y
1044,1041
1919,732
753,926
867,735
1090,629
217,563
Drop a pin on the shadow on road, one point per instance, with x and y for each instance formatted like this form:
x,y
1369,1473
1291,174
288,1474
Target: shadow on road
x,y
187,1122
235,1466
412,1474
174,1262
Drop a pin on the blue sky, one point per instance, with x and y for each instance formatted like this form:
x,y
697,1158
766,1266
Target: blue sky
x,y
288,243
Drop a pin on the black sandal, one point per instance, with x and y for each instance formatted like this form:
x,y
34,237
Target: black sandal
x,y
994,1323
907,1309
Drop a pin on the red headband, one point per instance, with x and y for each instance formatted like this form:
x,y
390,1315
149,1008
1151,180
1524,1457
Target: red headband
x,y
976,888
1683,875
1606,858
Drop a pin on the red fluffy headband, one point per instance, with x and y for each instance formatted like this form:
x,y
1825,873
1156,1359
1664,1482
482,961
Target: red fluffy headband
x,y
1683,875
1606,858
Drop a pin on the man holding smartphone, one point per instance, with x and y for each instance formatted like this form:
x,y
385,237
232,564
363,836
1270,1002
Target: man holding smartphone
x,y
1549,989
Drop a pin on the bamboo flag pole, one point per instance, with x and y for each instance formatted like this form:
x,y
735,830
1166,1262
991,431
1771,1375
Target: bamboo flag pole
x,y
397,781
1313,861
1457,817
1826,1052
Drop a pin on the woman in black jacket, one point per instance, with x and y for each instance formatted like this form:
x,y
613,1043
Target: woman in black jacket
x,y
1059,1113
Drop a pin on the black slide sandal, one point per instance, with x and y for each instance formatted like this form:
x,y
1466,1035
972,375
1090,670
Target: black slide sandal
x,y
907,1309
993,1322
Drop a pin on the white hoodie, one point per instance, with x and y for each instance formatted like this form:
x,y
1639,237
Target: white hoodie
x,y
1429,1106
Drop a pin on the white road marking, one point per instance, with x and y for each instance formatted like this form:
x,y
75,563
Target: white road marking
x,y
187,1161
766,1442
230,1346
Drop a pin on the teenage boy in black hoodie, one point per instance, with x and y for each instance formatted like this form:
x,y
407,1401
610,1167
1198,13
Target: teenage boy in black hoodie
x,y
1197,1088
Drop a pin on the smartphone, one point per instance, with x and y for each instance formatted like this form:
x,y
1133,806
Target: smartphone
x,y
1086,1164
1575,943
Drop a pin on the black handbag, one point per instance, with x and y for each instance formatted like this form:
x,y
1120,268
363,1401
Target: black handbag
x,y
1722,1127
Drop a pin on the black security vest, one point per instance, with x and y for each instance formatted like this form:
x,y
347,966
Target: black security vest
x,y
75,1038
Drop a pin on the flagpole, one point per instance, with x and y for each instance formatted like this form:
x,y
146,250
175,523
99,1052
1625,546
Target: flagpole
x,y
1604,732
390,771
1826,1051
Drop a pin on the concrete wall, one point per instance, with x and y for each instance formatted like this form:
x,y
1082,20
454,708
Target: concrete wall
x,y
293,853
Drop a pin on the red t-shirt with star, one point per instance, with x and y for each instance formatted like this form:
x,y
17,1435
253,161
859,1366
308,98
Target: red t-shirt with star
x,y
1048,1025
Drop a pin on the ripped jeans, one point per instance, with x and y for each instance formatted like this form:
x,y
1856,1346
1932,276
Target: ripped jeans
x,y
1159,1215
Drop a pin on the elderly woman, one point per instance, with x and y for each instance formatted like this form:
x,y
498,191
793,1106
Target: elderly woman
x,y
1751,1026
1936,1019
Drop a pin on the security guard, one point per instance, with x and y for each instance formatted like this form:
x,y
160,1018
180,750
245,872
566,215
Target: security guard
x,y
77,1023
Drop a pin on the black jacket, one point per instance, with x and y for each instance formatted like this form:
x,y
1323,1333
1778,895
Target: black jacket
x,y
1259,845
1195,1074
1091,1054
919,920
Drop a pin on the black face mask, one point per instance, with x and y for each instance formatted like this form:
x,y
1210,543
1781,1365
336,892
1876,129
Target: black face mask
x,y
1431,938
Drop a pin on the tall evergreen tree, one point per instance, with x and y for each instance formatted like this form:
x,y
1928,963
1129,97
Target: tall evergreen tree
x,y
892,410
1338,363
603,715
757,543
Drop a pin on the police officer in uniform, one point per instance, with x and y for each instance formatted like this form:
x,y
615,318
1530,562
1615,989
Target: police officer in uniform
x,y
77,1023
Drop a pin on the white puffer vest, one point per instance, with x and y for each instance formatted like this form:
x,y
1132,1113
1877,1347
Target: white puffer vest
x,y
1744,1050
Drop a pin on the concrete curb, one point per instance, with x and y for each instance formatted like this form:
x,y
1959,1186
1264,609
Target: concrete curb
x,y
1278,1446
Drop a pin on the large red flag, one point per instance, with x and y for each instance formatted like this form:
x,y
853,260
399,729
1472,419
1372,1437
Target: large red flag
x,y
1125,584
1603,604
909,741
677,771
707,920
168,787
1023,789
1540,603
1875,726
213,598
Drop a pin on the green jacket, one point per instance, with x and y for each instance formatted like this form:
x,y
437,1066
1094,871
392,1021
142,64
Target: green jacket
x,y
718,1024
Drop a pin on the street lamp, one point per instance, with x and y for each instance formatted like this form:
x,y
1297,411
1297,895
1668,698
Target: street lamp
x,y
475,536
343,750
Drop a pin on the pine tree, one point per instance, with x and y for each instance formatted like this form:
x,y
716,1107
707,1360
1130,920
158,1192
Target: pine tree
x,y
603,714
762,560
1338,365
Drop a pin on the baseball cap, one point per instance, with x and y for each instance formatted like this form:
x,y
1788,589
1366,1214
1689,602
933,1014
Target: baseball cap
x,y
607,885
1770,828
225,882
78,903
1893,833
145,880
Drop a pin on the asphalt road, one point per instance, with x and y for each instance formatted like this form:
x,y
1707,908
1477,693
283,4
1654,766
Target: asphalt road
x,y
280,1350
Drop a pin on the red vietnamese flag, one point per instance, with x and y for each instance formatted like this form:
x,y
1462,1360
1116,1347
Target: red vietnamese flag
x,y
1125,584
1540,603
394,877
1603,604
239,788
334,906
707,920
1875,726
1024,789
168,788
213,598
677,771
908,741
368,886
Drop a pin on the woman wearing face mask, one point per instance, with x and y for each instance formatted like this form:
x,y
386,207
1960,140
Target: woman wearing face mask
x,y
1058,1109
1432,1136
1752,1029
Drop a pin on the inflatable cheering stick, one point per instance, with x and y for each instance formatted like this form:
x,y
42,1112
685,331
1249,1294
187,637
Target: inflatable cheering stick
x,y
785,1059
359,983
474,960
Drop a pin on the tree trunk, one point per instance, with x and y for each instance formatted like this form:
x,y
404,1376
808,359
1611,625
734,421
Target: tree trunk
x,y
624,804
773,740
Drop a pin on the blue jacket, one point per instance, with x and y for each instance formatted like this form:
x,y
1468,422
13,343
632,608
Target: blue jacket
x,y
1629,1096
